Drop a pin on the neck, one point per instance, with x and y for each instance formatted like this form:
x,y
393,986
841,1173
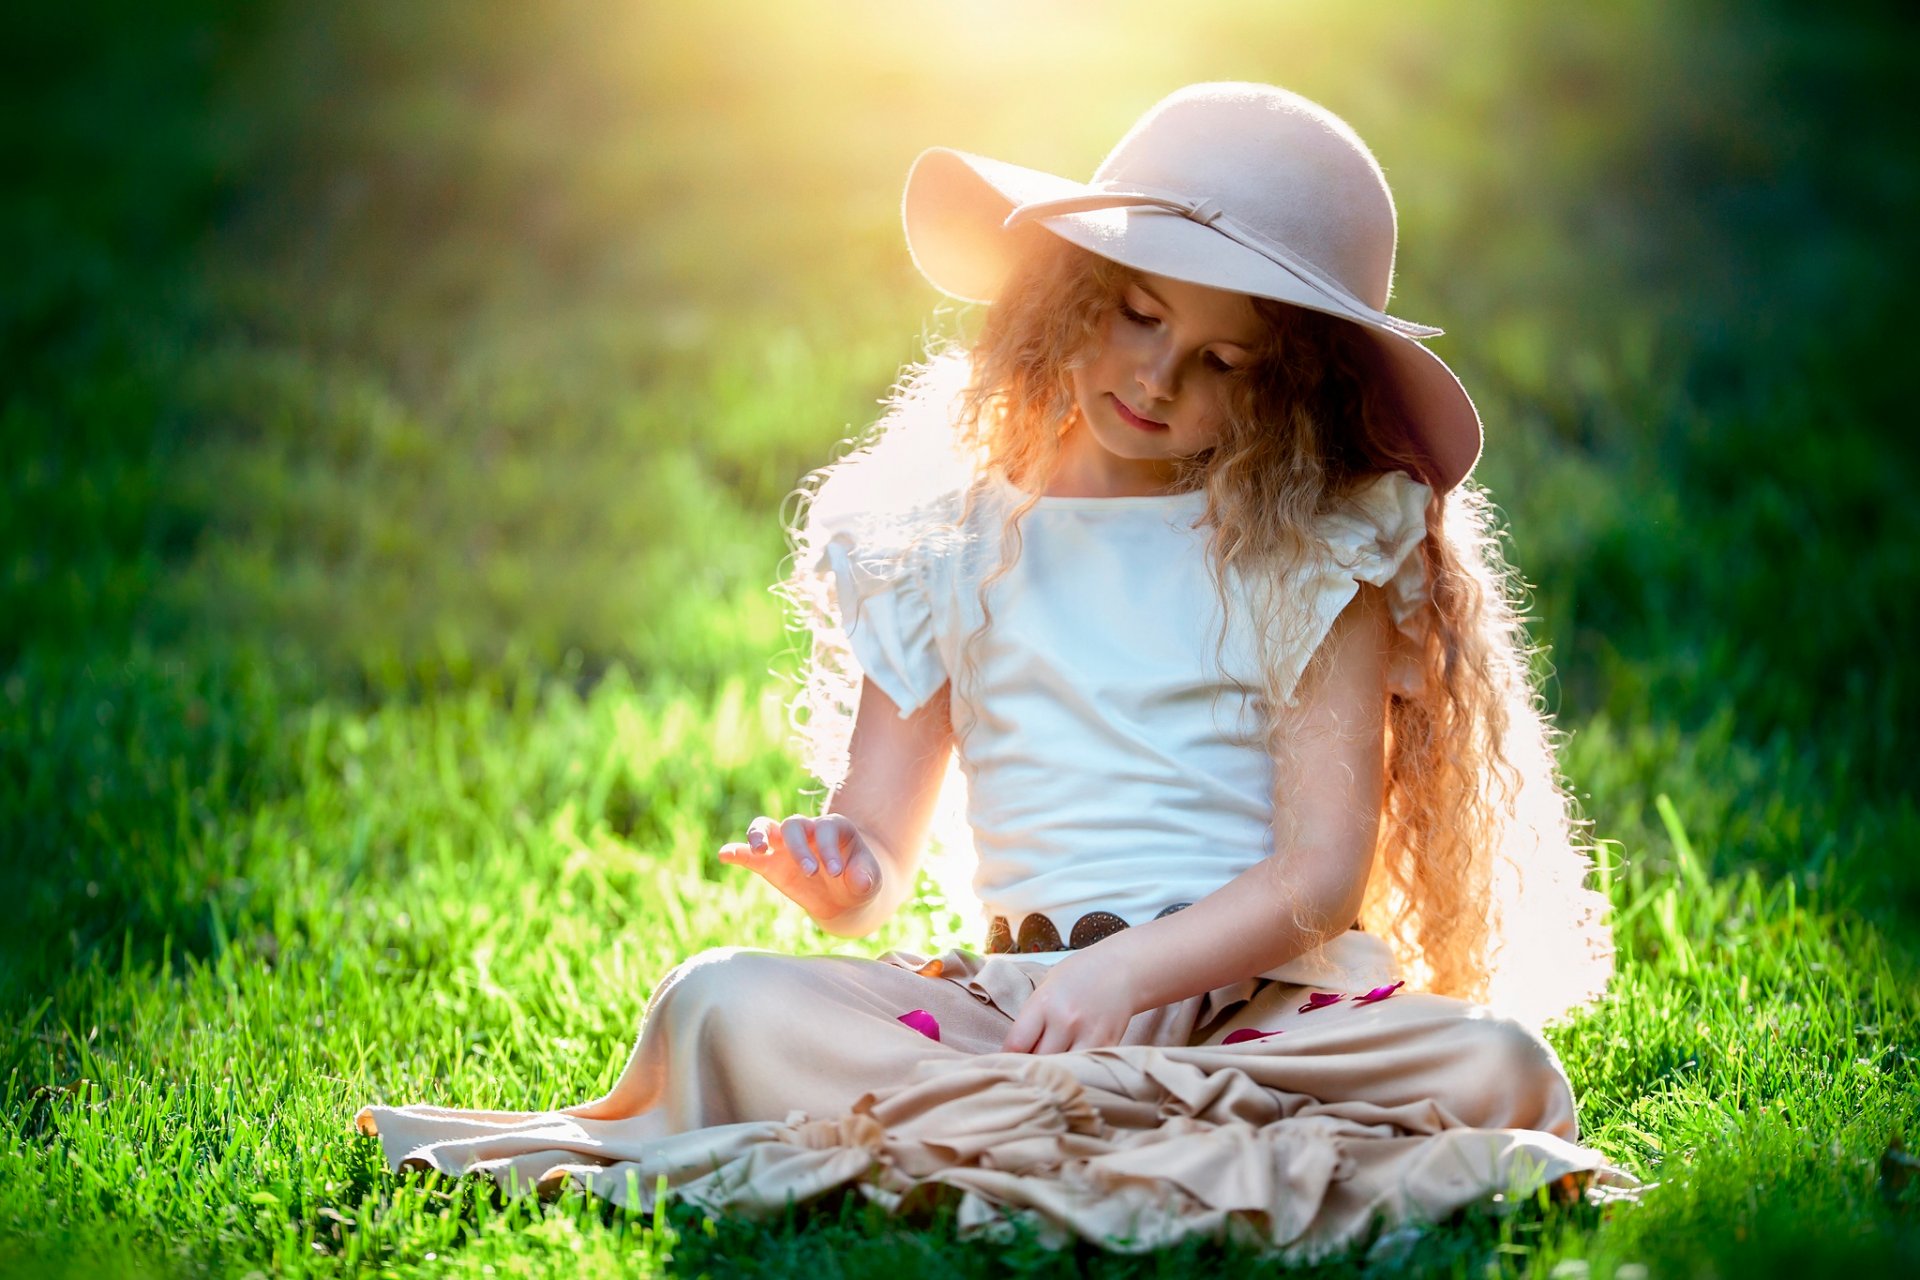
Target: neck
x,y
1085,470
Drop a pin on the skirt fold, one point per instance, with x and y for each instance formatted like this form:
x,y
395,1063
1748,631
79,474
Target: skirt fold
x,y
762,1080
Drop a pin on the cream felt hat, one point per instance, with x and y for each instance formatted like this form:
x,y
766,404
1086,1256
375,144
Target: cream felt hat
x,y
1244,187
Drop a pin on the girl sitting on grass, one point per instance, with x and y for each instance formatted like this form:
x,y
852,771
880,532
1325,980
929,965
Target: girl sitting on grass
x,y
1180,558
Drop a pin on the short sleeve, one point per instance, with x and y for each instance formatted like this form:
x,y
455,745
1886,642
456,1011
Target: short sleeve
x,y
1374,539
886,615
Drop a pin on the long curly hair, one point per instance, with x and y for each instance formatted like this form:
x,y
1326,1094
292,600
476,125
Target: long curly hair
x,y
1479,875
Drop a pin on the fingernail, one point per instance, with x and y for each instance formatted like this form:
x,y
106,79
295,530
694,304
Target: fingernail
x,y
833,868
809,866
756,840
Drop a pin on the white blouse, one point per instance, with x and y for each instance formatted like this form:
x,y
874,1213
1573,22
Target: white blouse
x,y
1108,731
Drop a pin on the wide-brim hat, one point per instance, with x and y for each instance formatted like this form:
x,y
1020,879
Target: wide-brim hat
x,y
1243,187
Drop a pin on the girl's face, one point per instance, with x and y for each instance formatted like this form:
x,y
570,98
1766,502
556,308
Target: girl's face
x,y
1153,390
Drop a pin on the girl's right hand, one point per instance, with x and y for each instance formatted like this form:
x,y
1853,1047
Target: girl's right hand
x,y
823,864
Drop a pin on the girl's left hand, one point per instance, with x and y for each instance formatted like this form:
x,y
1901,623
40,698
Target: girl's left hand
x,y
1084,1002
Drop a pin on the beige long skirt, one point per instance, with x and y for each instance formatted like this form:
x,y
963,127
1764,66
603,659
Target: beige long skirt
x,y
762,1080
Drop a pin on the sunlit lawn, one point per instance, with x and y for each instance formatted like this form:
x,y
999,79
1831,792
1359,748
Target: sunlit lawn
x,y
398,403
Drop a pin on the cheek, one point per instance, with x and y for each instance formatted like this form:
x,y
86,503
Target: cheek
x,y
1098,369
1087,367
1080,379
1209,419
1128,344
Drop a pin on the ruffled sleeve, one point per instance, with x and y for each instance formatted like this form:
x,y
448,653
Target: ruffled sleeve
x,y
885,610
1374,539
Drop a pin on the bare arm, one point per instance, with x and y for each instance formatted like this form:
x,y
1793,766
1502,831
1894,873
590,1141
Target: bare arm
x,y
852,867
1252,923
895,767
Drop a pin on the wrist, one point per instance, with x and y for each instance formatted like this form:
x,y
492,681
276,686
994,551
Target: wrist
x,y
1127,960
861,918
1168,960
852,922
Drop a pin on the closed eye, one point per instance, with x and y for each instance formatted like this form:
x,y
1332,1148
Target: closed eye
x,y
1211,360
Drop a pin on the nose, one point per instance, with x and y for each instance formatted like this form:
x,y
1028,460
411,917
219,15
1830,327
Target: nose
x,y
1156,372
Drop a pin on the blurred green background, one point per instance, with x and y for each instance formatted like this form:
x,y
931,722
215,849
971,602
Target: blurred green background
x,y
398,404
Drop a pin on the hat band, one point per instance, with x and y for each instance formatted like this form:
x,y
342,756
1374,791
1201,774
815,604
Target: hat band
x,y
1209,214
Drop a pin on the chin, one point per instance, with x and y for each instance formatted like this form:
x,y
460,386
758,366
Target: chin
x,y
1132,446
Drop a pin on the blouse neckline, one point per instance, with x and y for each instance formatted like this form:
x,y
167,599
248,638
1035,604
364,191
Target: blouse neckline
x,y
1126,502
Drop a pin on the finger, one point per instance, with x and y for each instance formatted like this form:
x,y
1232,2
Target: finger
x,y
863,874
1087,1038
796,835
776,869
741,854
1057,1039
834,837
755,851
1024,1033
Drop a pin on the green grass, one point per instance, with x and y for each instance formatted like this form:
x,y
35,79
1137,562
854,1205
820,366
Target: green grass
x,y
397,405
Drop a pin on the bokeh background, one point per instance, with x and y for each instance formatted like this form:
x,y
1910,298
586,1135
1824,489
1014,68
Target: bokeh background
x,y
399,403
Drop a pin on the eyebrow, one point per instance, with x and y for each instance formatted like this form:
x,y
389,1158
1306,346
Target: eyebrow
x,y
1248,343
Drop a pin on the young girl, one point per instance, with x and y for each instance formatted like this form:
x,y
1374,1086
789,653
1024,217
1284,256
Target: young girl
x,y
1179,558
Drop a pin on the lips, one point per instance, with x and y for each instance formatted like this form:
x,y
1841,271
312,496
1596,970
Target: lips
x,y
1133,419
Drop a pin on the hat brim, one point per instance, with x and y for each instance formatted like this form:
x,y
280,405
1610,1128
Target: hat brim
x,y
954,209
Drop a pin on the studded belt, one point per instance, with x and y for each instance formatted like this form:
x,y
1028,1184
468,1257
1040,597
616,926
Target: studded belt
x,y
1037,933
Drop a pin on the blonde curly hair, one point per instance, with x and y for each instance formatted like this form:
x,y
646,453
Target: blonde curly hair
x,y
1479,880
